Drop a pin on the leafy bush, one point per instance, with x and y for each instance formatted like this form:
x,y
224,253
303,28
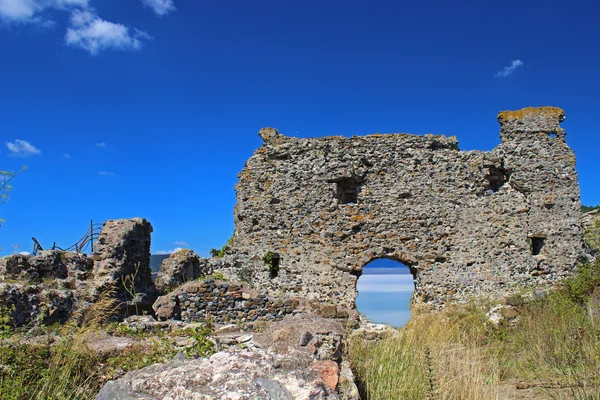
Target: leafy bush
x,y
272,261
220,253
244,274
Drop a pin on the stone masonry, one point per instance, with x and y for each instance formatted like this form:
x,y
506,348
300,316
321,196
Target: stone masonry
x,y
220,302
467,223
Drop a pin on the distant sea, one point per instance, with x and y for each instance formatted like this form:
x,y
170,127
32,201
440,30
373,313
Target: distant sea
x,y
384,299
384,292
156,260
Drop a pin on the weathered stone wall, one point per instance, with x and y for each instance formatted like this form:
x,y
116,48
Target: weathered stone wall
x,y
43,289
220,302
52,285
123,253
179,268
467,223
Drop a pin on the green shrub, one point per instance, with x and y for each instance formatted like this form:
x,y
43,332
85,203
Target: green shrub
x,y
579,286
69,371
271,260
220,253
244,274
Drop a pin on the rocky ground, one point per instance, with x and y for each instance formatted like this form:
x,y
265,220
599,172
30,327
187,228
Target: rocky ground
x,y
300,357
203,337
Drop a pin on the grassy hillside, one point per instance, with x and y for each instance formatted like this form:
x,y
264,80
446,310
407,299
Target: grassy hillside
x,y
585,209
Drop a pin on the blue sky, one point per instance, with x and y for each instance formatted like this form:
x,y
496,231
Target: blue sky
x,y
150,107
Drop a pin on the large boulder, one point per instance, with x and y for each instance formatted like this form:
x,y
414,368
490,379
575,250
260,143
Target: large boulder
x,y
233,374
179,268
299,357
122,264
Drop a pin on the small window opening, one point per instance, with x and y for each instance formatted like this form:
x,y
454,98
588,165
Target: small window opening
x,y
552,135
496,177
347,191
272,260
537,244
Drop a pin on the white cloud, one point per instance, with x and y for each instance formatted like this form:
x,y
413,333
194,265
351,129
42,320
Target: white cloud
x,y
25,253
101,145
180,243
508,70
385,283
18,10
30,11
175,250
160,7
71,3
93,34
107,173
66,155
22,148
86,29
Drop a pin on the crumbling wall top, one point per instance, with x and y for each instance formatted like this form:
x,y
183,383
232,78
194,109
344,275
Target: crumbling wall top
x,y
531,120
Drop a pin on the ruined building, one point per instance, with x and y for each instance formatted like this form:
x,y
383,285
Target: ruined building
x,y
311,213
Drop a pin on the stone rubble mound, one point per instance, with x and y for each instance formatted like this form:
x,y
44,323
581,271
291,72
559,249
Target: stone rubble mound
x,y
300,357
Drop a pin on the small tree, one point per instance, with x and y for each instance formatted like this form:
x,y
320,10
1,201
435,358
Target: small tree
x,y
5,178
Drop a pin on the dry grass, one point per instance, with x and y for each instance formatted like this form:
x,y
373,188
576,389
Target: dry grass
x,y
553,345
434,356
69,370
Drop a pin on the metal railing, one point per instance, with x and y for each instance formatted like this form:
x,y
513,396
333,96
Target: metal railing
x,y
86,243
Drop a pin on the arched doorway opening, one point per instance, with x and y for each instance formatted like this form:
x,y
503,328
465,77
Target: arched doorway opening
x,y
384,289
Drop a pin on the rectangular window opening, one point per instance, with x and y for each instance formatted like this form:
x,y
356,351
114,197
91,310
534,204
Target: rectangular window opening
x,y
537,244
347,191
274,267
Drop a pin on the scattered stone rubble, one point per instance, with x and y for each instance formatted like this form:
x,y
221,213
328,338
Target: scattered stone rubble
x,y
300,357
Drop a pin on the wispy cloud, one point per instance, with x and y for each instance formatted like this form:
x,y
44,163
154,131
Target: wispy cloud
x,y
107,173
66,156
18,10
509,69
93,34
86,30
180,243
32,11
101,145
385,283
160,7
175,250
22,148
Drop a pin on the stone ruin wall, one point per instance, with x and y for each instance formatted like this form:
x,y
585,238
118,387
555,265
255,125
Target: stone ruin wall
x,y
467,223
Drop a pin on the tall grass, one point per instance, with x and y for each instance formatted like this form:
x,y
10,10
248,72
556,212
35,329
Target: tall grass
x,y
434,356
69,370
552,344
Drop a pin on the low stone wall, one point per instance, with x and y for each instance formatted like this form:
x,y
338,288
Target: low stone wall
x,y
223,302
220,302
